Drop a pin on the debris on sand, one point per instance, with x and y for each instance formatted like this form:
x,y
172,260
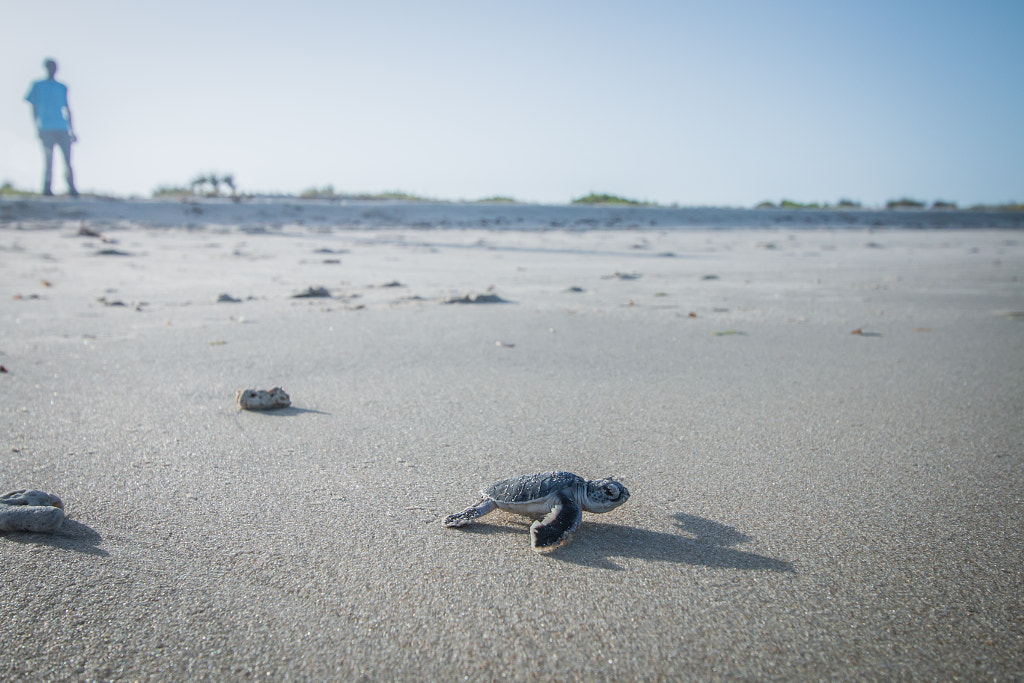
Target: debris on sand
x,y
313,293
112,252
87,232
228,299
31,510
83,231
258,399
489,297
622,276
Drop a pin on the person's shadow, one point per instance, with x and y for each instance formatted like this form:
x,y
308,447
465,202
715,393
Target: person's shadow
x,y
703,542
72,535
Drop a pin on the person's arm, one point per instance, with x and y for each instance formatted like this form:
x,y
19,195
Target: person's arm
x,y
31,99
71,128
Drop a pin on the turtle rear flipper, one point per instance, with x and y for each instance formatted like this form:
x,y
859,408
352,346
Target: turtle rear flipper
x,y
469,514
557,526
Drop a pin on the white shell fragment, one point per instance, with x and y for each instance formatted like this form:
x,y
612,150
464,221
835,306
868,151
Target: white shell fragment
x,y
31,510
258,399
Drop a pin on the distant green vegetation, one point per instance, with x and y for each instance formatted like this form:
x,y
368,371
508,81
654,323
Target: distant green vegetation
x,y
893,204
328,192
200,182
325,192
169,191
223,185
593,198
790,204
8,190
496,200
399,196
198,187
1010,206
904,203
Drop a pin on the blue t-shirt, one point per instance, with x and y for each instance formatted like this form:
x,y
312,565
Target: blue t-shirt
x,y
51,100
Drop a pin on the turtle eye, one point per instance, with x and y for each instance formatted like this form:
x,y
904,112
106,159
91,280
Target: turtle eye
x,y
612,491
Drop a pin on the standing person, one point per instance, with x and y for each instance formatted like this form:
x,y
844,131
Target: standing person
x,y
52,115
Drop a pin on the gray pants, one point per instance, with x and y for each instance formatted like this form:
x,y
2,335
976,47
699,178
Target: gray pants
x,y
51,138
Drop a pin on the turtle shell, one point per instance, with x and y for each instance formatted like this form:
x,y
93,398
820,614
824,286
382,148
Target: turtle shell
x,y
531,487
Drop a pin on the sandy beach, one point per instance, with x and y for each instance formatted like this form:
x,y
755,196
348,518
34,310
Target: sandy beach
x,y
819,421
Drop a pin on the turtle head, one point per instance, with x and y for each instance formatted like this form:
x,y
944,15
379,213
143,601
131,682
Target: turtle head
x,y
605,494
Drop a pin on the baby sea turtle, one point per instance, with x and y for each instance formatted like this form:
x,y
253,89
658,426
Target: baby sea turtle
x,y
31,510
559,497
258,399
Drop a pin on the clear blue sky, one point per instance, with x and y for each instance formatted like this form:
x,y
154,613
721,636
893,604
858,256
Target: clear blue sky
x,y
702,103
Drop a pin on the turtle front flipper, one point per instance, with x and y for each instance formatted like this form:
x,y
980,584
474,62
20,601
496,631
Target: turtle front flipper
x,y
469,514
557,526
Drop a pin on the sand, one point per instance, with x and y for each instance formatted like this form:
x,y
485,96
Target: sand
x,y
806,502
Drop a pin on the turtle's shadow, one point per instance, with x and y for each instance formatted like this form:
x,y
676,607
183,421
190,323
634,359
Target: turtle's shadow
x,y
705,544
71,536
288,412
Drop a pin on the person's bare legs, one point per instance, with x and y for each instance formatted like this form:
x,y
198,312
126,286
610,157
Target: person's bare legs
x,y
62,139
69,175
48,143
